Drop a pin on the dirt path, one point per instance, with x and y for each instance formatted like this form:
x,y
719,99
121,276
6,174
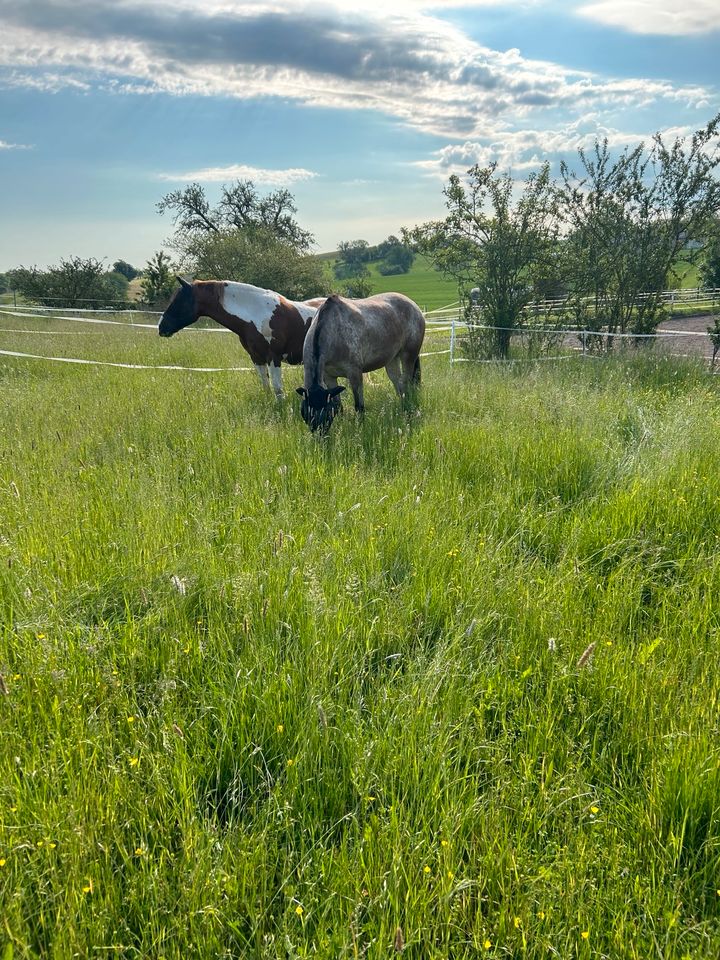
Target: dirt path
x,y
687,345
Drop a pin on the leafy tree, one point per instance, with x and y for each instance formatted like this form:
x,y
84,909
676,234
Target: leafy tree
x,y
117,285
260,258
359,285
4,284
353,254
75,282
126,269
351,267
158,279
493,244
398,258
629,218
241,208
710,264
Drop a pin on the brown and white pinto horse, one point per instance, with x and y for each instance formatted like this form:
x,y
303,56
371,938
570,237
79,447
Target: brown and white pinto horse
x,y
271,328
350,337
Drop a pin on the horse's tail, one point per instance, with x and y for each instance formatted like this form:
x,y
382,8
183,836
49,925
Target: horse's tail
x,y
416,372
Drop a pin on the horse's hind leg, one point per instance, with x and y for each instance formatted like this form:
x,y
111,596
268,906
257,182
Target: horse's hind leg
x,y
411,369
395,373
411,377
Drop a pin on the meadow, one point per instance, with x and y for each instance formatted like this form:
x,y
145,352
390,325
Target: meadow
x,y
444,684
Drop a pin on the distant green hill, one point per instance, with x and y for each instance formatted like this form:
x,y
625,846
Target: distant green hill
x,y
430,289
423,283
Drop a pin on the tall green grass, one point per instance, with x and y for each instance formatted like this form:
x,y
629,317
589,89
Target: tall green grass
x,y
275,697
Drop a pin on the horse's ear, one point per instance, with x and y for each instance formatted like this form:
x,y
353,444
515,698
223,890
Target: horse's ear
x,y
183,282
301,390
335,391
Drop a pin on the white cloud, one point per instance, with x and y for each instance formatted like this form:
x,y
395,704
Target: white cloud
x,y
522,150
397,60
4,145
660,17
240,171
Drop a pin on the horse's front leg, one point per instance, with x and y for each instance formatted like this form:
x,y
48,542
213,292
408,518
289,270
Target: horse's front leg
x,y
276,377
356,384
262,372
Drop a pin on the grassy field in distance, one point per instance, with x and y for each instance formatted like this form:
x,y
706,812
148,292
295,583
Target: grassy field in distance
x,y
447,679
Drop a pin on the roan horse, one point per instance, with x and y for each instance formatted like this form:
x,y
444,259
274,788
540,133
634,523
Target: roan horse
x,y
350,337
270,327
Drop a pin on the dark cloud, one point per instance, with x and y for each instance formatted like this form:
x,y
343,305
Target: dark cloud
x,y
342,45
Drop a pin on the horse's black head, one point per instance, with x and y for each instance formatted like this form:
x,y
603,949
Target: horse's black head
x,y
319,406
181,312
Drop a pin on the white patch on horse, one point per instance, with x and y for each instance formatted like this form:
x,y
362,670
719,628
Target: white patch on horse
x,y
250,304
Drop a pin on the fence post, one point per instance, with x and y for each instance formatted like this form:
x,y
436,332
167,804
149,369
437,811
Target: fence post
x,y
584,339
452,341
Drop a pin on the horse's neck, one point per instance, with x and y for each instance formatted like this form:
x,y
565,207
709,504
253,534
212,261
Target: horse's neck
x,y
245,301
235,304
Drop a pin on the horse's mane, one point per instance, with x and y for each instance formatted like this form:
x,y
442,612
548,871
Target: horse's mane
x,y
330,305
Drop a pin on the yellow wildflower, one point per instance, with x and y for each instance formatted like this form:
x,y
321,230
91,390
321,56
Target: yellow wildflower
x,y
3,861
516,923
299,910
487,944
585,934
280,728
133,761
290,762
131,719
594,809
426,869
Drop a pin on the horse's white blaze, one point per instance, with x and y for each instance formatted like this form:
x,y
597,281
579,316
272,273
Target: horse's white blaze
x,y
252,305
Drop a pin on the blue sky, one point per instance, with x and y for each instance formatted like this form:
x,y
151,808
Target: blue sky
x,y
362,109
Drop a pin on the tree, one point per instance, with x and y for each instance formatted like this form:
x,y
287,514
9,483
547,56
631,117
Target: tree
x,y
353,254
126,269
261,258
240,208
351,267
396,258
629,218
75,282
710,264
117,285
158,279
489,243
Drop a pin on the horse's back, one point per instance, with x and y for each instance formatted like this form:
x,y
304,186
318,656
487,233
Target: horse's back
x,y
363,334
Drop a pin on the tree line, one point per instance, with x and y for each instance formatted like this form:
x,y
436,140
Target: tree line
x,y
605,236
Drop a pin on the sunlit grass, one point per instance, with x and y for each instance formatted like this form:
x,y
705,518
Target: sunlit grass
x,y
275,697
